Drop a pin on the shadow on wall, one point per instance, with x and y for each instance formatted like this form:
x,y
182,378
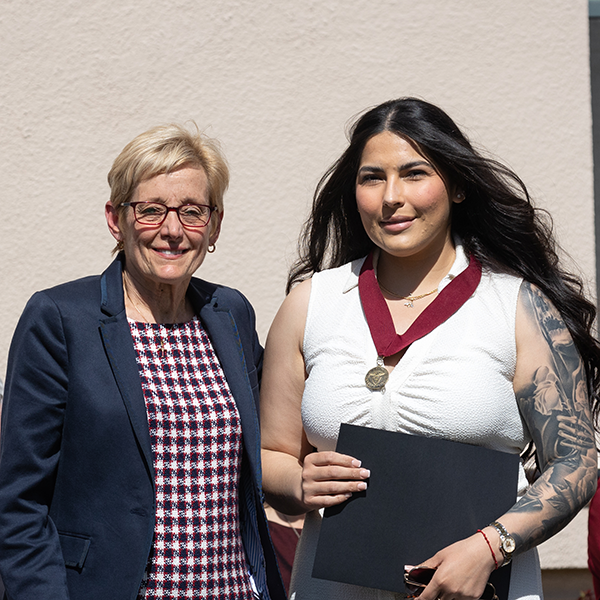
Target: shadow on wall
x,y
567,584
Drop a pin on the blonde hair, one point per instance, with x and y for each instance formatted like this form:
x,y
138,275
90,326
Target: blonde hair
x,y
165,149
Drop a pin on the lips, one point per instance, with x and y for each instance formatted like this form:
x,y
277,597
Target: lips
x,y
170,252
393,220
397,223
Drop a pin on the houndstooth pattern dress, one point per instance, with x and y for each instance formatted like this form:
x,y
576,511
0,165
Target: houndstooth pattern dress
x,y
196,438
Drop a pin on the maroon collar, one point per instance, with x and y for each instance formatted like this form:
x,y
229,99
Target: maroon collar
x,y
449,300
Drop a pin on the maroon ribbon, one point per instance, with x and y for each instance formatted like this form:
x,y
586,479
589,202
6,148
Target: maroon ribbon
x,y
449,300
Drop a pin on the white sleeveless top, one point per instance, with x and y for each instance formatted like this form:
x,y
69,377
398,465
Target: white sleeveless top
x,y
454,383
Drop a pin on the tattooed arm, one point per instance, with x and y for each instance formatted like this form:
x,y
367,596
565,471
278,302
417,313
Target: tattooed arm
x,y
550,387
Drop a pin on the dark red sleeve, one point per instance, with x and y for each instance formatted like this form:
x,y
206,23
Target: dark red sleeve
x,y
594,541
285,540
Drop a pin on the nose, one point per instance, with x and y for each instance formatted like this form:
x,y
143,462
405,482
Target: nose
x,y
171,227
392,194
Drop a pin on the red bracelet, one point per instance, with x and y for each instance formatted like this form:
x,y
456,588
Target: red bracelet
x,y
489,546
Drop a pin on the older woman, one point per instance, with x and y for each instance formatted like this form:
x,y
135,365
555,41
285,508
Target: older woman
x,y
414,232
130,463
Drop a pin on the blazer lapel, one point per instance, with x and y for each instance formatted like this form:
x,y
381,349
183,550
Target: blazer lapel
x,y
121,355
222,331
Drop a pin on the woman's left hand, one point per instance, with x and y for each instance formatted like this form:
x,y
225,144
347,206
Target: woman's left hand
x,y
462,570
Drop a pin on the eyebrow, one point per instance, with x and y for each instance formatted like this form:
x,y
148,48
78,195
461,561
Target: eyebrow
x,y
187,200
404,167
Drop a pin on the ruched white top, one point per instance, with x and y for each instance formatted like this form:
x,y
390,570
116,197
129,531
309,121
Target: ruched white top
x,y
454,383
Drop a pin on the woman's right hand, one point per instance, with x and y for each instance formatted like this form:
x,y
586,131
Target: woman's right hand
x,y
296,479
330,478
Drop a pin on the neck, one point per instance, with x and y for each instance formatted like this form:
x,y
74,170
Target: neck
x,y
413,275
155,303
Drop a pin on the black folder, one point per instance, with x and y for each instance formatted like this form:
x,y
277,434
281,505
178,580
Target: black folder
x,y
423,494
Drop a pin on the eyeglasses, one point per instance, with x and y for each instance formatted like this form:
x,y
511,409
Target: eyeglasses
x,y
155,213
416,581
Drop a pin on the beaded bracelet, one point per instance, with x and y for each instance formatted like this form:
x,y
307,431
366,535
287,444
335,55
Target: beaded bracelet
x,y
489,546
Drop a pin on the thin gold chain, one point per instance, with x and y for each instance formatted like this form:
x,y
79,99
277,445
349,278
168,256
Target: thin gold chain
x,y
409,298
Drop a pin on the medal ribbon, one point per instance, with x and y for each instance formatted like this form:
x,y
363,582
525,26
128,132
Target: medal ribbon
x,y
449,300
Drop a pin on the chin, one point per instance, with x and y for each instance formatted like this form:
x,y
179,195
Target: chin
x,y
172,278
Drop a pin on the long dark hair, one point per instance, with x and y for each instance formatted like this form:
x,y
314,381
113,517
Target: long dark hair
x,y
497,221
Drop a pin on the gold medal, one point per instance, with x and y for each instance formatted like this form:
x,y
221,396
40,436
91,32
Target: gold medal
x,y
377,377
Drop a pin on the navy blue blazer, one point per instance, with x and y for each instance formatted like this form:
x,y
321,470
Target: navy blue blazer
x,y
77,499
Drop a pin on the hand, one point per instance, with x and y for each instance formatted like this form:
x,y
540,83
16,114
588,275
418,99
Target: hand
x,y
463,569
574,433
330,478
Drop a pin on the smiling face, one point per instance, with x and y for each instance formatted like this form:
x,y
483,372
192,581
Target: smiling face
x,y
402,200
170,253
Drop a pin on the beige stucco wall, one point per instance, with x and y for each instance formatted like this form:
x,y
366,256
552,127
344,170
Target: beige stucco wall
x,y
276,82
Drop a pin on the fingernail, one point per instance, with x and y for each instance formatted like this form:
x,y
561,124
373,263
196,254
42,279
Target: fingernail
x,y
365,473
348,495
362,486
356,463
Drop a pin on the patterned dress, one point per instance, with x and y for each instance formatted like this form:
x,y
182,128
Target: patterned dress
x,y
196,436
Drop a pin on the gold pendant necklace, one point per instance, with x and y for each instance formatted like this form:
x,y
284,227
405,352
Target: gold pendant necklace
x,y
163,350
377,377
410,299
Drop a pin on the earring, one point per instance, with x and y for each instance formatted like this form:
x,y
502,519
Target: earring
x,y
212,248
460,196
120,245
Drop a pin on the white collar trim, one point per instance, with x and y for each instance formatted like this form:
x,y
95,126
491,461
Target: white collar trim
x,y
460,264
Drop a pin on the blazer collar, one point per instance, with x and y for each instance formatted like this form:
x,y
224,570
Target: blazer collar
x,y
111,287
118,345
222,329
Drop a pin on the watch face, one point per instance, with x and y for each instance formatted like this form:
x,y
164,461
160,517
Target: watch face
x,y
509,545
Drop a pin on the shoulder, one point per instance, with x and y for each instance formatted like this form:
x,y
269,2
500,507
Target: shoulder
x,y
297,300
54,316
211,298
72,290
73,299
541,333
290,321
287,328
537,314
331,288
104,289
220,296
331,285
501,281
345,274
535,306
499,291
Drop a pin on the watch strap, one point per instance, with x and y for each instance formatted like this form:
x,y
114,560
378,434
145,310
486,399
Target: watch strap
x,y
504,538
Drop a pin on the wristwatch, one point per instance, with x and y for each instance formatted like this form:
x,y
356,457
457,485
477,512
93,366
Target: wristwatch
x,y
507,542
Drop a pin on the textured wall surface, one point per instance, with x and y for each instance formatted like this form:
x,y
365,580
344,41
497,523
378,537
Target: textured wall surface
x,y
277,83
568,548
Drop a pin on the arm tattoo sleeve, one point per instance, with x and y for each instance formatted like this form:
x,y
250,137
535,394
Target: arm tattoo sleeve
x,y
554,404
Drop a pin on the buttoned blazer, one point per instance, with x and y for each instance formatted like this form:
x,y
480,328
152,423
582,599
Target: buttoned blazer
x,y
77,498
